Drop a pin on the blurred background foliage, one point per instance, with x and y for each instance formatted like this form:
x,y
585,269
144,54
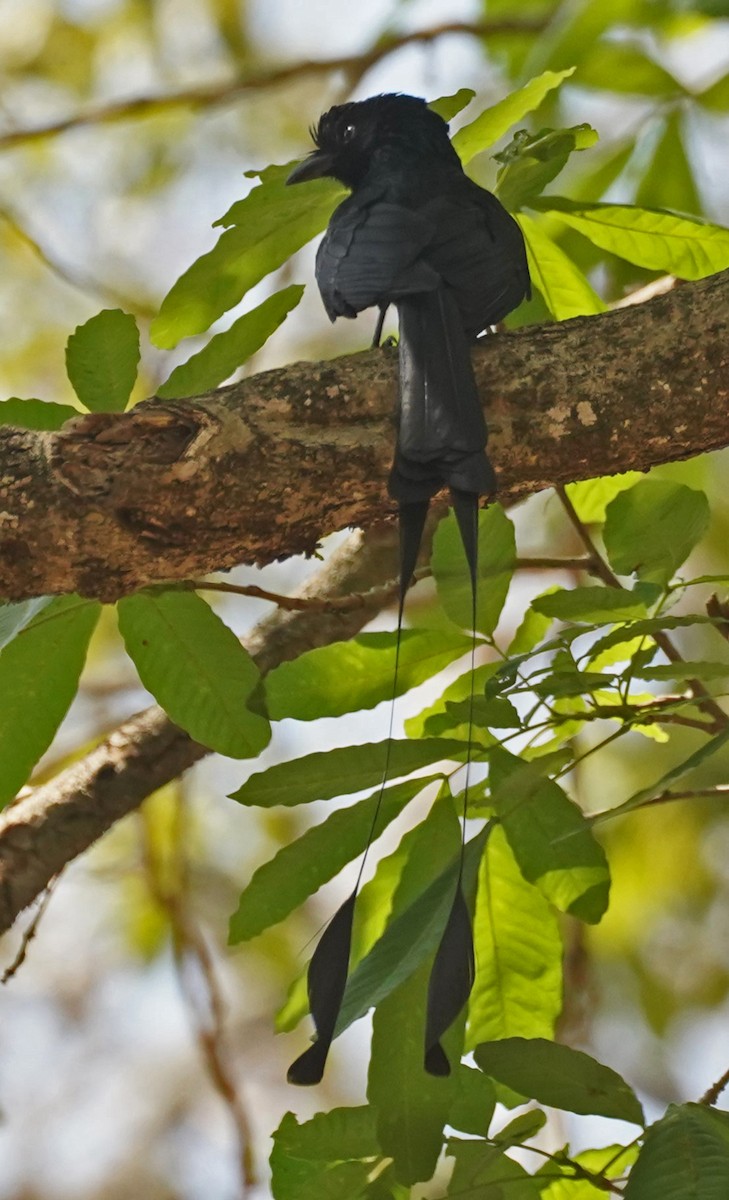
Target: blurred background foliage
x,y
125,126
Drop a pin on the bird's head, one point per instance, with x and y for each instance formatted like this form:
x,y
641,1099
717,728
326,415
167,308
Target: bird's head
x,y
350,137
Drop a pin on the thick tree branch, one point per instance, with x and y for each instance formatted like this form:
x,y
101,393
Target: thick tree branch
x,y
52,824
265,468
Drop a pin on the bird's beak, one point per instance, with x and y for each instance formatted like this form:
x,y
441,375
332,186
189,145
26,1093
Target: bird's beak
x,y
314,166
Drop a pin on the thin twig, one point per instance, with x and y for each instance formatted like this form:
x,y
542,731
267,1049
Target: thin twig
x,y
708,793
30,932
712,1095
229,91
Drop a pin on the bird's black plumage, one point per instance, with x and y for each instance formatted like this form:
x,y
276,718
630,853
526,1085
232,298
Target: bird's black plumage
x,y
416,232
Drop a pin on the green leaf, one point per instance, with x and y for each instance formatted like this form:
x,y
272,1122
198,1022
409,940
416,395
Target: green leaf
x,y
716,97
411,1106
683,670
666,781
532,630
348,676
496,556
448,107
560,1077
410,937
495,121
668,178
566,291
570,682
102,357
330,773
521,1128
590,497
609,1162
300,868
14,617
196,668
459,689
36,414
532,160
590,604
620,67
39,673
685,1156
496,713
652,528
650,238
269,225
227,351
646,628
341,1133
550,838
473,1103
518,988
484,1172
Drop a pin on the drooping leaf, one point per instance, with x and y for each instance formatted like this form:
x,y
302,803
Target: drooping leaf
x,y
227,351
518,988
495,121
326,774
35,414
652,528
685,1156
590,604
348,676
448,107
300,868
102,357
268,226
566,291
590,497
533,160
560,1077
474,1102
550,838
196,668
651,238
39,673
496,556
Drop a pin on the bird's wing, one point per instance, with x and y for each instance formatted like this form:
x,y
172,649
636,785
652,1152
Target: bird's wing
x,y
371,254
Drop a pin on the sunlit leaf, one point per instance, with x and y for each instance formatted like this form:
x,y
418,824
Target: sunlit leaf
x,y
590,497
496,555
348,676
566,291
533,160
227,351
560,1077
496,120
196,668
448,107
102,357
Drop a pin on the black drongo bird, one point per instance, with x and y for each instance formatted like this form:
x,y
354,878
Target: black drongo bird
x,y
418,233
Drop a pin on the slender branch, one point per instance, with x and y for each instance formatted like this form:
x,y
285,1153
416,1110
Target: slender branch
x,y
719,792
230,90
713,1093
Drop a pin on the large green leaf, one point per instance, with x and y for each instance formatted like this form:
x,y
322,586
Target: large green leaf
x,y
566,291
685,1156
518,988
39,673
35,414
590,497
652,528
591,604
347,676
297,1176
484,1172
550,838
102,357
496,120
300,868
341,1133
227,351
411,1106
668,178
268,226
651,238
560,1077
196,668
326,774
620,67
496,557
474,1102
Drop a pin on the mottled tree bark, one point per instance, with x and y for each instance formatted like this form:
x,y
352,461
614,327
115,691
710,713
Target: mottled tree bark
x,y
264,469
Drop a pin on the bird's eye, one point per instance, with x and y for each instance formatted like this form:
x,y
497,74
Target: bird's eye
x,y
349,132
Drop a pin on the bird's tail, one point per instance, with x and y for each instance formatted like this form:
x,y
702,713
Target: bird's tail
x,y
442,433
